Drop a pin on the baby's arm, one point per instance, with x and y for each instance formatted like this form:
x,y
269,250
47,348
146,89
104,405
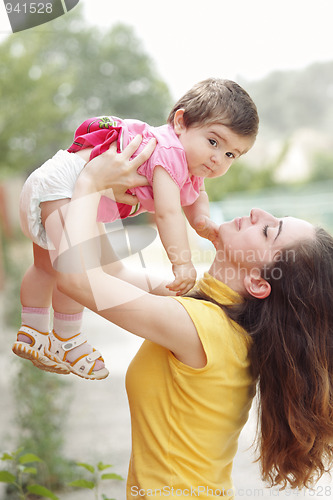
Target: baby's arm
x,y
198,216
171,225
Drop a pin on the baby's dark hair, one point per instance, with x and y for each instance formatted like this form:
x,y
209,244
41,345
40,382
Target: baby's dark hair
x,y
218,101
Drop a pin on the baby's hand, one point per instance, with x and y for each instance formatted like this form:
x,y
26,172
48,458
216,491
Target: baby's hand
x,y
185,276
206,228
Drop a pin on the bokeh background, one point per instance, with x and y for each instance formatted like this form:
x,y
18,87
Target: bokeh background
x,y
135,59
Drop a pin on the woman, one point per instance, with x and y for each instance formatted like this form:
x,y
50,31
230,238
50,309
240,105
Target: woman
x,y
265,315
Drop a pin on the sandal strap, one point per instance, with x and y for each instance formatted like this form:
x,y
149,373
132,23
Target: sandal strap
x,y
31,331
86,365
70,344
93,356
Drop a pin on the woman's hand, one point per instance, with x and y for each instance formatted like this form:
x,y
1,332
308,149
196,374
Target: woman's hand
x,y
113,173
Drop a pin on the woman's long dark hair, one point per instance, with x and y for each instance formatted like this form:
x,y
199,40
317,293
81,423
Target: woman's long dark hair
x,y
292,356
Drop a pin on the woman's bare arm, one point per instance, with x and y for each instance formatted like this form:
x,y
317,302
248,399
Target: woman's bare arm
x,y
160,319
140,277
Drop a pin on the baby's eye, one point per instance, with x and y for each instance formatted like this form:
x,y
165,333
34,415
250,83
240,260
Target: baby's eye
x,y
213,142
230,155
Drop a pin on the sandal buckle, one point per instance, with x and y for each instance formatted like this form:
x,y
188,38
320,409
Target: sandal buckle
x,y
67,346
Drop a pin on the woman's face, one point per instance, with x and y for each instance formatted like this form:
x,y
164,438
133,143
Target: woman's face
x,y
254,240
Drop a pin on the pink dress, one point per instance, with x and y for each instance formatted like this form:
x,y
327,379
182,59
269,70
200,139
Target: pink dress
x,y
169,153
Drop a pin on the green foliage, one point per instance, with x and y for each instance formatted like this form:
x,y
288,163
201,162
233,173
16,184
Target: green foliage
x,y
96,476
241,178
19,473
288,100
12,315
322,167
244,177
41,402
51,80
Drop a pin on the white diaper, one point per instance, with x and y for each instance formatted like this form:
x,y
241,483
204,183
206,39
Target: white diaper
x,y
54,180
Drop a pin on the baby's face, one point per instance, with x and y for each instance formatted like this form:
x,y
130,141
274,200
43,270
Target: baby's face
x,y
211,149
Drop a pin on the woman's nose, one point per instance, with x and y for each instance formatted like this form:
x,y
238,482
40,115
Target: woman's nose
x,y
257,214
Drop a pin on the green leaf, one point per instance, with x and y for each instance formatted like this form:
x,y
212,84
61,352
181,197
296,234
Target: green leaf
x,y
7,477
102,466
83,483
7,456
36,489
28,458
112,476
104,497
89,467
29,470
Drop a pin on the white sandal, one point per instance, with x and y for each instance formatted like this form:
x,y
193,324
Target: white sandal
x,y
35,351
84,365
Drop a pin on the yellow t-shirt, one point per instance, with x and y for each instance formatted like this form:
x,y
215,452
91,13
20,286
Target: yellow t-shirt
x,y
186,421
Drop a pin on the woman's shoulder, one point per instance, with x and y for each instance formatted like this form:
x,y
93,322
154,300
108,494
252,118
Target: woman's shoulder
x,y
203,311
206,315
216,330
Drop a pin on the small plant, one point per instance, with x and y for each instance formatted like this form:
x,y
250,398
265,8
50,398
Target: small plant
x,y
19,474
97,474
41,399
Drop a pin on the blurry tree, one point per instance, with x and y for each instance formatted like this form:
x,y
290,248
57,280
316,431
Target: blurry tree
x,y
288,100
241,177
52,79
322,167
244,177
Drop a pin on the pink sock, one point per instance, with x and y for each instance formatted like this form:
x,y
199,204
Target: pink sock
x,y
68,325
35,317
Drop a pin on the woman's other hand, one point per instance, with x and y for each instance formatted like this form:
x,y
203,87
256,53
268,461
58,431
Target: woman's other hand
x,y
113,173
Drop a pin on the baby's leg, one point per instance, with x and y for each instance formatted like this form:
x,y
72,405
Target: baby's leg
x,y
67,324
36,296
39,290
67,320
38,281
36,293
37,286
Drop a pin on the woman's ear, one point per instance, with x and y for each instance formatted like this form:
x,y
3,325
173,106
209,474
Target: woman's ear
x,y
178,121
257,286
